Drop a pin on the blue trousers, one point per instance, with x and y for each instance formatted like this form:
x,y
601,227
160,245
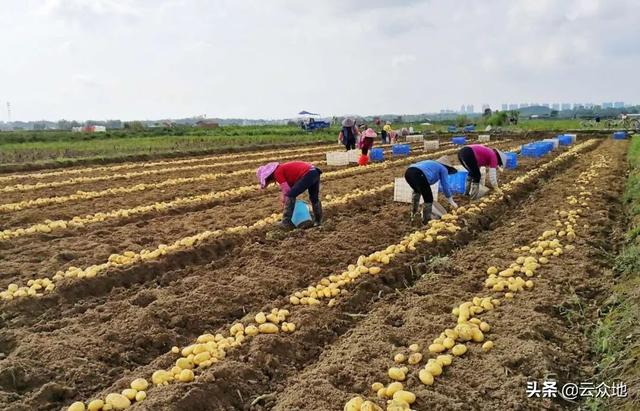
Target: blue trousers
x,y
311,182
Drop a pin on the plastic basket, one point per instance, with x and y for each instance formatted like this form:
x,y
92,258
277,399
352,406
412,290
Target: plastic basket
x,y
431,145
337,158
400,149
620,135
484,138
565,140
574,137
353,155
402,191
512,160
459,140
458,180
555,142
301,213
376,154
530,150
415,139
451,129
545,146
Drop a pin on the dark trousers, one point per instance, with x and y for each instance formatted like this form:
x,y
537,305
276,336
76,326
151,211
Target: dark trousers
x,y
383,135
350,143
366,145
418,182
311,182
469,162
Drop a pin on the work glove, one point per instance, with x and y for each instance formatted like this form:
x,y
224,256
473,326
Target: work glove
x,y
453,203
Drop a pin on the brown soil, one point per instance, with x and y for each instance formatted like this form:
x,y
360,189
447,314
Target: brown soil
x,y
99,334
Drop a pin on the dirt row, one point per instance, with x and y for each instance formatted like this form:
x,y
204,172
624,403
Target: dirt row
x,y
124,200
31,257
130,326
539,335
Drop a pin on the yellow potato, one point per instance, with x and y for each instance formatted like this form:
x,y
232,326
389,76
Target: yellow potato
x,y
444,359
414,358
118,401
484,327
398,405
354,404
436,348
448,343
76,406
406,396
393,388
251,330
492,271
130,393
369,406
399,358
477,335
186,376
376,386
184,363
260,318
434,368
488,345
95,405
268,328
414,348
397,374
425,377
459,349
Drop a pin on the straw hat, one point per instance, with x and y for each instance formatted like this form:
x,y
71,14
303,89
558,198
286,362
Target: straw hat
x,y
370,133
445,161
264,172
502,157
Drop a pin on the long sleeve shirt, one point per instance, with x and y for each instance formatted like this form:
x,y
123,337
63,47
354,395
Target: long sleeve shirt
x,y
435,172
488,158
287,174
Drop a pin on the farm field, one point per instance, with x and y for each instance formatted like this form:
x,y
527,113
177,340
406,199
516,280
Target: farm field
x,y
138,257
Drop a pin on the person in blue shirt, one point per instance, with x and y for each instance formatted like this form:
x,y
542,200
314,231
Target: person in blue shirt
x,y
420,176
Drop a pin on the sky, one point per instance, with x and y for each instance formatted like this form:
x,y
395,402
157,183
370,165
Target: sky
x,y
151,59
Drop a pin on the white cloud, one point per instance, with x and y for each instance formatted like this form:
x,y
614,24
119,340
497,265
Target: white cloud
x,y
256,58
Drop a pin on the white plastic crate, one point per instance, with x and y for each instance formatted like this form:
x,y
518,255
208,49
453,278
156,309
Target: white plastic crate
x,y
574,137
402,191
337,158
555,142
415,139
484,138
431,144
352,155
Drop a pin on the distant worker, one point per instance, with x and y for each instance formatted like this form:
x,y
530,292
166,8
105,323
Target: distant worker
x,y
474,156
420,176
349,134
366,143
386,129
294,178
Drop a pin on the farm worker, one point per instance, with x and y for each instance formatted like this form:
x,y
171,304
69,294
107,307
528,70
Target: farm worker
x,y
366,143
420,176
386,129
474,156
349,134
294,178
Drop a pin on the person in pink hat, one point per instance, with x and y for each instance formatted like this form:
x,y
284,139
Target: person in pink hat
x,y
294,178
366,143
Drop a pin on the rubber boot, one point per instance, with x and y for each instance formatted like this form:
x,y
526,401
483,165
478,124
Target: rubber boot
x,y
474,191
427,208
467,186
317,213
289,205
415,205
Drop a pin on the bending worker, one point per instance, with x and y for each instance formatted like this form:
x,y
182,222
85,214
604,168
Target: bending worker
x,y
474,156
421,176
294,178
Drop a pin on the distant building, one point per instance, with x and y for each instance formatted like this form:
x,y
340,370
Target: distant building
x,y
555,106
207,123
463,109
565,106
523,105
504,107
513,106
545,105
618,104
607,104
89,129
469,108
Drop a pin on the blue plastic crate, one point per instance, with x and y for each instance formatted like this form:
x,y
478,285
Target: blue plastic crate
x,y
469,129
457,182
459,140
512,160
451,129
620,135
531,150
545,146
400,149
376,154
565,140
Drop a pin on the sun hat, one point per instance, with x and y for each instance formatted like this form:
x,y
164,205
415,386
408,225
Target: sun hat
x,y
263,173
445,161
370,133
502,157
348,122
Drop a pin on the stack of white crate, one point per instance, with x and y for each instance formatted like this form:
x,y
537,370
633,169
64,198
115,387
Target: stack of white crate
x,y
402,191
337,158
353,155
484,138
415,138
431,145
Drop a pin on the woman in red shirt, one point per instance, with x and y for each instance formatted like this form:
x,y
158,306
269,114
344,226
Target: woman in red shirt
x,y
294,178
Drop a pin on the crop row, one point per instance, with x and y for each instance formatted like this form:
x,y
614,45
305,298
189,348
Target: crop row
x,y
505,283
37,287
49,226
273,323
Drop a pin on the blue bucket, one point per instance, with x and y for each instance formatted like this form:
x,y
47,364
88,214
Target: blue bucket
x,y
512,160
301,213
376,154
620,135
459,140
